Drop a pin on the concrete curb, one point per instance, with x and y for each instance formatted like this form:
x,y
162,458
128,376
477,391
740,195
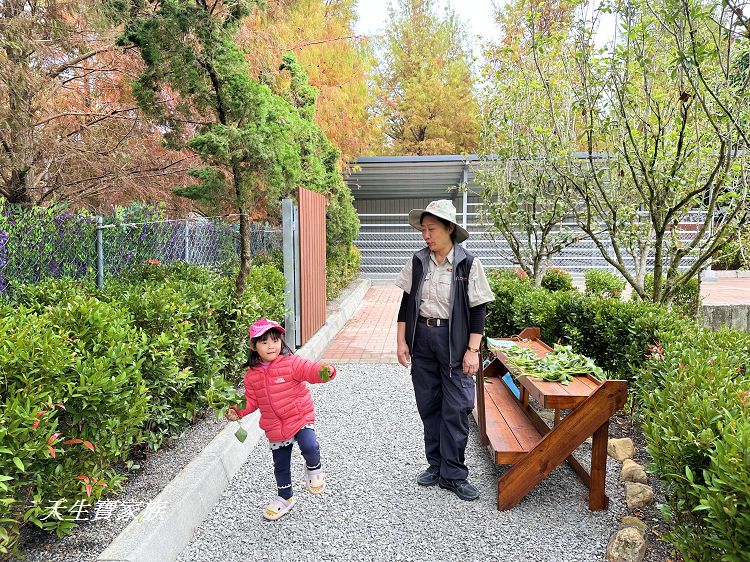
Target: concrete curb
x,y
186,501
731,273
733,316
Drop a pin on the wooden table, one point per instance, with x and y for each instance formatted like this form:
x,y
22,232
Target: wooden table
x,y
591,402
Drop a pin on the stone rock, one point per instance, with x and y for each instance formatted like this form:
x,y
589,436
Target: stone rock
x,y
620,449
638,495
626,545
548,416
633,472
630,521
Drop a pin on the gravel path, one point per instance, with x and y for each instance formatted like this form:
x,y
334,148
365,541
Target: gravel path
x,y
371,442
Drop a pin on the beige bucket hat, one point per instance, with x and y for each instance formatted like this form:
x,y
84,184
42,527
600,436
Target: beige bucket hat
x,y
444,209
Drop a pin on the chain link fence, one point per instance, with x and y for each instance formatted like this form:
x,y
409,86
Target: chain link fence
x,y
387,242
36,244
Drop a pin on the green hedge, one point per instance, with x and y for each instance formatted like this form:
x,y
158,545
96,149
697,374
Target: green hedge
x,y
73,403
686,301
95,374
342,268
695,393
616,334
196,334
556,279
692,391
603,283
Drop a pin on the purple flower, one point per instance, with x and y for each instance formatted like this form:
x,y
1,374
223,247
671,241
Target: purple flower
x,y
61,218
54,268
81,271
3,248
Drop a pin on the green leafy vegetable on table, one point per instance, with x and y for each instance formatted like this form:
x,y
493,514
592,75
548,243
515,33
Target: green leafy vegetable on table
x,y
559,365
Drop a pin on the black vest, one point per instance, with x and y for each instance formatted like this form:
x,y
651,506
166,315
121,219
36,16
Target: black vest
x,y
459,306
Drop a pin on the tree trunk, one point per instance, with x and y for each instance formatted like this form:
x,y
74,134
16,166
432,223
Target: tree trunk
x,y
18,137
540,268
16,190
245,255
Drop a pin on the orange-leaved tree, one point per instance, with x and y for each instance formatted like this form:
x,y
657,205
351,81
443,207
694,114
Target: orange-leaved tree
x,y
424,83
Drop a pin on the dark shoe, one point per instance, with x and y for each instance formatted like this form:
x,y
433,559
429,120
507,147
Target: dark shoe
x,y
462,488
429,477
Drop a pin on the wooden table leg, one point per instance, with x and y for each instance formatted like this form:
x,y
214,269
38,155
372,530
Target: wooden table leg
x,y
479,399
598,500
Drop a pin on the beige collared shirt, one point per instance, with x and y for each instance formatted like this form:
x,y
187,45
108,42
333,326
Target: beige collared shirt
x,y
436,287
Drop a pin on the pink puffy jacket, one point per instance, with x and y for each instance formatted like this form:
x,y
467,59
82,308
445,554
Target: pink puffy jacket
x,y
279,390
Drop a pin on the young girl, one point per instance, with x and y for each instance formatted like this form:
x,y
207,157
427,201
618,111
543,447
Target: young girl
x,y
275,384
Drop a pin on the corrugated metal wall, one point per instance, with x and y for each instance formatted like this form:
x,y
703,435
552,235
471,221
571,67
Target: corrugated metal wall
x,y
387,188
312,258
386,240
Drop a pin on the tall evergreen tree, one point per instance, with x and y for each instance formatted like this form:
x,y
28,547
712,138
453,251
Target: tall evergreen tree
x,y
424,83
256,146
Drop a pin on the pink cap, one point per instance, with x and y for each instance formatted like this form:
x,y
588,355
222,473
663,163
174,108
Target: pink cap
x,y
260,327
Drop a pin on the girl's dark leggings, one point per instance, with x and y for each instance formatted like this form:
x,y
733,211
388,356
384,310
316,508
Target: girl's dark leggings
x,y
282,458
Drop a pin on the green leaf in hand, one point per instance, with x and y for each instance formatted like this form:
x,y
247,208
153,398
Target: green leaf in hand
x,y
325,373
241,434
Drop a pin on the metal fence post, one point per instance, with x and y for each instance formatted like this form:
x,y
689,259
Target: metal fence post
x,y
290,292
465,187
297,282
187,241
99,252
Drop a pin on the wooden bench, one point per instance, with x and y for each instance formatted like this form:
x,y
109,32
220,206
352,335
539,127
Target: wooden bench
x,y
517,435
509,431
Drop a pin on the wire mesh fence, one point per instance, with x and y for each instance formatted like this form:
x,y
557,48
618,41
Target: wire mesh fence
x,y
37,244
387,242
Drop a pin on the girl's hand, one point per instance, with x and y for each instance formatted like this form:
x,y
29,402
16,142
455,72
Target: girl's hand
x,y
325,373
471,362
402,353
231,415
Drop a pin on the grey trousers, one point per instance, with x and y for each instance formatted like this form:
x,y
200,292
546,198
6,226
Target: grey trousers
x,y
445,398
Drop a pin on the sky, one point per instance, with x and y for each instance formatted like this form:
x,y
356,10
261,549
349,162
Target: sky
x,y
477,15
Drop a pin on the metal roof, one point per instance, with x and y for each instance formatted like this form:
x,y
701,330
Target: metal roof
x,y
399,177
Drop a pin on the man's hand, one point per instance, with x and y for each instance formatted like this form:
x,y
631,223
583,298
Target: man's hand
x,y
231,415
471,362
402,352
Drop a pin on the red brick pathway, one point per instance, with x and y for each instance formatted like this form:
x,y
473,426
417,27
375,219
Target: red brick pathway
x,y
370,336
726,291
